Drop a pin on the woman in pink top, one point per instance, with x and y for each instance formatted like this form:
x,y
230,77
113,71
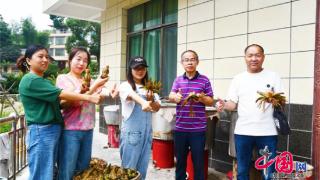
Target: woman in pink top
x,y
79,117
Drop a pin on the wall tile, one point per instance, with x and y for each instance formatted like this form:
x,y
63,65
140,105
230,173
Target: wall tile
x,y
279,63
103,39
195,2
220,166
180,50
182,17
230,46
122,21
182,35
201,31
220,152
301,91
269,18
111,49
303,38
225,26
111,36
229,67
256,4
301,117
267,40
201,12
203,48
182,4
300,143
286,88
303,12
282,143
229,7
103,26
222,131
222,87
111,24
206,68
302,64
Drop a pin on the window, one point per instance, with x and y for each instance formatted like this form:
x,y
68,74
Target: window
x,y
50,51
60,41
152,33
60,52
50,40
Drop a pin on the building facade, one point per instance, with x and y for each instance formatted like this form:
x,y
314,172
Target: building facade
x,y
218,30
57,49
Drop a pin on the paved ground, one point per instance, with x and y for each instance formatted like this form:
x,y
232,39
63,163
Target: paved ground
x,y
111,155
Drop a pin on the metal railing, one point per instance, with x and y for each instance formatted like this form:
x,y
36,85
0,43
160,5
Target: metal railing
x,y
17,140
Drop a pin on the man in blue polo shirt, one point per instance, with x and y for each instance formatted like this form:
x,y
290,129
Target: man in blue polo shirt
x,y
190,127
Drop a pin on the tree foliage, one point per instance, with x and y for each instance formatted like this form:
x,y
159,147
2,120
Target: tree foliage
x,y
5,34
43,38
12,79
52,72
58,22
29,32
18,36
8,51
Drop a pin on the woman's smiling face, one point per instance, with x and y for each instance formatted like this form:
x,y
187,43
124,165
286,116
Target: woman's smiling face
x,y
79,62
39,62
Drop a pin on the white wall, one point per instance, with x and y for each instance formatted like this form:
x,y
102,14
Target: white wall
x,y
219,30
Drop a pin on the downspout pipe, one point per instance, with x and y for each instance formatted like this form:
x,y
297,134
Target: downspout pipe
x,y
316,100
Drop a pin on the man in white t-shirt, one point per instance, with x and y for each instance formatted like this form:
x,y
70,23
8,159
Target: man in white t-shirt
x,y
255,126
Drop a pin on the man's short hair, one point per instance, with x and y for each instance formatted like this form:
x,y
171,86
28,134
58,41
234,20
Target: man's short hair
x,y
256,45
192,51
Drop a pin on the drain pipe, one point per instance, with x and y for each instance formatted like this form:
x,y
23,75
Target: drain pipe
x,y
316,100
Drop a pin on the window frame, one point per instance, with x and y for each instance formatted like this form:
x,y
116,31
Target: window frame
x,y
162,26
57,50
58,38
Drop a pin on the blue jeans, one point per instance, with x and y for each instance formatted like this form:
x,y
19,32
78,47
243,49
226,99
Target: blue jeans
x,y
135,141
244,146
74,152
196,142
42,148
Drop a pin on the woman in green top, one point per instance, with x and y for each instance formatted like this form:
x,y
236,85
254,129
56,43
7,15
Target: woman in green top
x,y
40,100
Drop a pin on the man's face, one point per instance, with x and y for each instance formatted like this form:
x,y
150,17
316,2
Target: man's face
x,y
254,59
189,62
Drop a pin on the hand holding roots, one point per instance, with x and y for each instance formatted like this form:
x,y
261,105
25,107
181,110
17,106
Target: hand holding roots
x,y
191,99
86,82
277,100
105,72
152,87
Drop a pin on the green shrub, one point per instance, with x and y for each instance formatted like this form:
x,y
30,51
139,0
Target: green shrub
x,y
52,72
10,79
6,127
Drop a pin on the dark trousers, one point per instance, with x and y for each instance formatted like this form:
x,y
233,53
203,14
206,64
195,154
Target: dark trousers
x,y
195,141
244,146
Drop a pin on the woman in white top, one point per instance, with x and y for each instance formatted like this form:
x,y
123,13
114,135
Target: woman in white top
x,y
136,130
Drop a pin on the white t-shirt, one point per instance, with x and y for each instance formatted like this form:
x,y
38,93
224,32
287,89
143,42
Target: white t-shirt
x,y
252,120
125,90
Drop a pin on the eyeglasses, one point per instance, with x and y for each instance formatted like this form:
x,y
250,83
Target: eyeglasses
x,y
189,60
